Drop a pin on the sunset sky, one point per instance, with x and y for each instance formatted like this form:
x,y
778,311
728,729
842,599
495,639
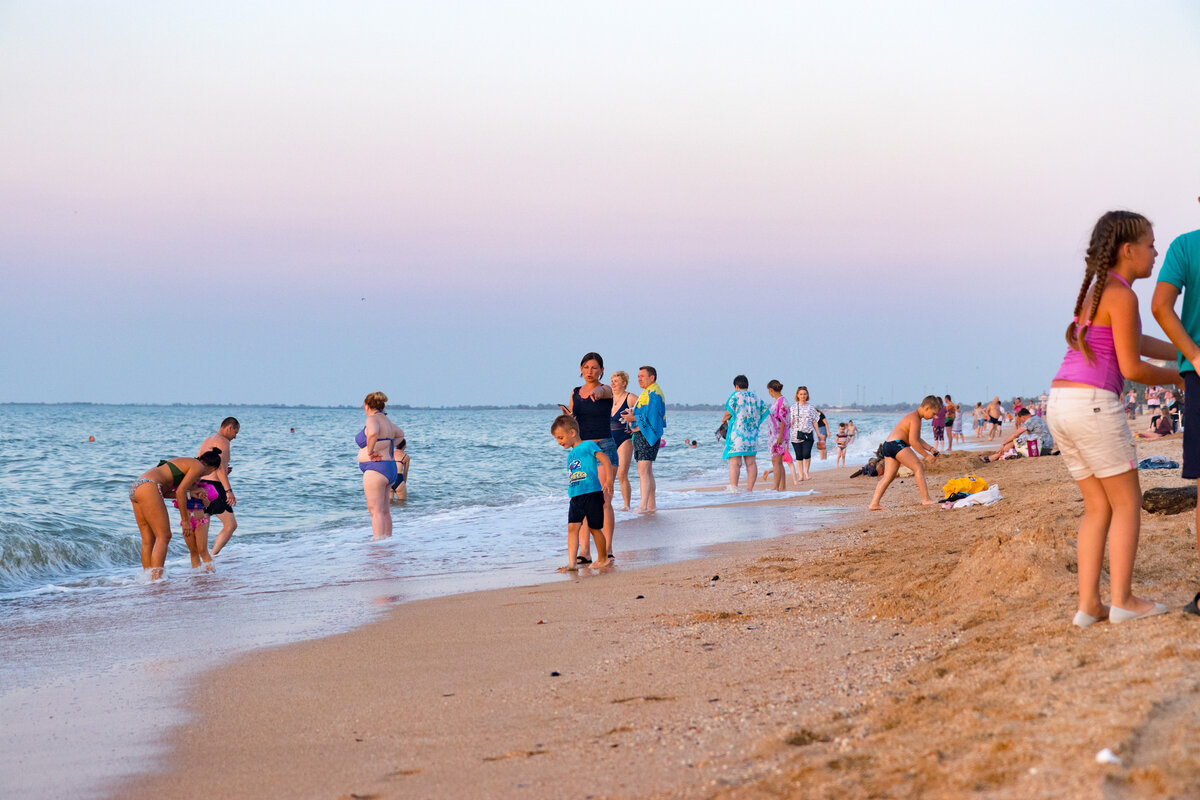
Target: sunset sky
x,y
303,202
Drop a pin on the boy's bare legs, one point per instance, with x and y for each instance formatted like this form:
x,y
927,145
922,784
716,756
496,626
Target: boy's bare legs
x,y
890,467
909,459
751,471
735,471
572,547
601,547
1124,497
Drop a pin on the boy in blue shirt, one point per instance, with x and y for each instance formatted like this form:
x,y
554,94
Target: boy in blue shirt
x,y
589,485
1181,273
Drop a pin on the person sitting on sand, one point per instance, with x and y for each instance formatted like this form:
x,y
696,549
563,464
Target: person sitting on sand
x,y
1160,426
1029,429
898,449
589,487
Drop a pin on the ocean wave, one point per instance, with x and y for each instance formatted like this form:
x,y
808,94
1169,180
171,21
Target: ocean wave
x,y
35,555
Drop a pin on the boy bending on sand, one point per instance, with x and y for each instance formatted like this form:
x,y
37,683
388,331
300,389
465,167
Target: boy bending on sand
x,y
905,438
589,485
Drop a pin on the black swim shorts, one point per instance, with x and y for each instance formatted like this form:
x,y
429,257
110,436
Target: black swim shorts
x,y
588,507
642,449
892,449
1191,426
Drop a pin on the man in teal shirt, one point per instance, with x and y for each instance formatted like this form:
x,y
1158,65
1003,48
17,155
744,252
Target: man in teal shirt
x,y
1181,273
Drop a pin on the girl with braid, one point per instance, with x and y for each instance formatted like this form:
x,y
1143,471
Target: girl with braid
x,y
1087,418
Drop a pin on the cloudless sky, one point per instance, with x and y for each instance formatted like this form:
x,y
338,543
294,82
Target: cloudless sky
x,y
303,202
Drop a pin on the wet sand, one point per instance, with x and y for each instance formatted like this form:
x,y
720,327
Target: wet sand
x,y
913,652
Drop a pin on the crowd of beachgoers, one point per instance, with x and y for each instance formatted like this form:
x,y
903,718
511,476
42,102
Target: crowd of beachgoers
x,y
607,429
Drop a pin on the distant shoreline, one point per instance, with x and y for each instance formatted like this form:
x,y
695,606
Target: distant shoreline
x,y
871,409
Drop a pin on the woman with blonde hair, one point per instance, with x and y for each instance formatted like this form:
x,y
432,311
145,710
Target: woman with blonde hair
x,y
622,399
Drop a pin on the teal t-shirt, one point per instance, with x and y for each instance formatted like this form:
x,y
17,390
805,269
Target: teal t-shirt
x,y
583,473
1181,269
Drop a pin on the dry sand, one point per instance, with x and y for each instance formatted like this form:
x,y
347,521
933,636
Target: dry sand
x,y
914,652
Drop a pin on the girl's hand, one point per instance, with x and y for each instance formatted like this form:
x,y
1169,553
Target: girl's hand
x,y
185,523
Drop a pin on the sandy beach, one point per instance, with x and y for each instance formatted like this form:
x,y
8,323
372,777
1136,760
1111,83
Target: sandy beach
x,y
914,652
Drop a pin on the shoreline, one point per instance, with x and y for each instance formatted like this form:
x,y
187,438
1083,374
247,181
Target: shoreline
x,y
929,654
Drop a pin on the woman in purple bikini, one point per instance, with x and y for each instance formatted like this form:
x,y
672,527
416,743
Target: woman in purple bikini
x,y
377,460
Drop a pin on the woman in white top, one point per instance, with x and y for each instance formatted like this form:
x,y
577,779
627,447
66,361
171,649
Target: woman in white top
x,y
803,421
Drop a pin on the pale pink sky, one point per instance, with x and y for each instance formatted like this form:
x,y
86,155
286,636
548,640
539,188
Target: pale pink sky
x,y
835,195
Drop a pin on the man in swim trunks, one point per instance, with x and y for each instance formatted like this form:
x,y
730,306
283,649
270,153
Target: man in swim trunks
x,y
222,507
905,438
995,417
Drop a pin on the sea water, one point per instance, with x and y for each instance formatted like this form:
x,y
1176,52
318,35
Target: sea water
x,y
90,649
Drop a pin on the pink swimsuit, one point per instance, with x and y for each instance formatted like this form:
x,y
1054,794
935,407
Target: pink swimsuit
x,y
1106,372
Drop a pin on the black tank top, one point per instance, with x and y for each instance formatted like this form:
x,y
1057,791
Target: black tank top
x,y
593,416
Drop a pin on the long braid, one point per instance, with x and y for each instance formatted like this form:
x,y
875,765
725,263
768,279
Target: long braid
x,y
1112,230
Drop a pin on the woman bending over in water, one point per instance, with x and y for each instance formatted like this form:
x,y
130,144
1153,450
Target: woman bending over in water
x,y
171,478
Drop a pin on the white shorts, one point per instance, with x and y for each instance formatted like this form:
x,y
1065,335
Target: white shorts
x,y
1090,430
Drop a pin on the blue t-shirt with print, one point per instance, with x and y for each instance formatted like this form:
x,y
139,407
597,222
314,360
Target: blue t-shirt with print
x,y
1181,269
583,471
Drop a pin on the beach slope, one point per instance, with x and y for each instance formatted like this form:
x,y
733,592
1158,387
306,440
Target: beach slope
x,y
914,652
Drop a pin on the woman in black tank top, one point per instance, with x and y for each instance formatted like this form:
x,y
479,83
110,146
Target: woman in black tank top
x,y
591,405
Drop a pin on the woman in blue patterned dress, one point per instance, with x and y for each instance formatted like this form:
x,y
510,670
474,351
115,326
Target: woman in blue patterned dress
x,y
745,414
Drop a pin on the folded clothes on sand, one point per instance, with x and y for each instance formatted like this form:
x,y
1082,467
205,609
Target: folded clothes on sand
x,y
1157,462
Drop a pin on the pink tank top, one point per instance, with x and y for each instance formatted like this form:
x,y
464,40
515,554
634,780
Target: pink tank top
x,y
1106,372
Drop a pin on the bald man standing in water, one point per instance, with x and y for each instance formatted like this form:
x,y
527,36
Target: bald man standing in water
x,y
222,507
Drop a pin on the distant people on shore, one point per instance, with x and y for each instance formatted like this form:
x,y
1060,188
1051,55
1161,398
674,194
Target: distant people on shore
x,y
1105,345
589,489
648,418
938,424
591,405
777,434
377,460
899,449
979,419
744,415
173,478
802,422
952,420
1181,273
622,436
222,507
822,435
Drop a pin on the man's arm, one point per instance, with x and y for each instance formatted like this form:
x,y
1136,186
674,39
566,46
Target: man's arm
x,y
1162,305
